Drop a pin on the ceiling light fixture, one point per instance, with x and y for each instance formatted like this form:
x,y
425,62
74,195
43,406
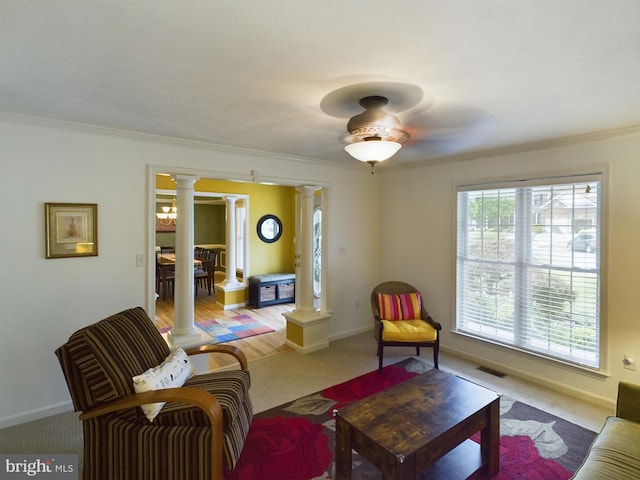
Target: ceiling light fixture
x,y
375,135
169,214
372,149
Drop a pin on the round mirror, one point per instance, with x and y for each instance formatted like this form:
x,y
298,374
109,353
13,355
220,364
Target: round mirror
x,y
269,228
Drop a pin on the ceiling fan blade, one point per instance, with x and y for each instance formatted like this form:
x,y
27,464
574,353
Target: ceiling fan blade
x,y
344,102
447,128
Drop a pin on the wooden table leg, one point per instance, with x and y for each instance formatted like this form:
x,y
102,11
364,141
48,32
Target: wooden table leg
x,y
163,276
400,467
163,273
343,449
490,439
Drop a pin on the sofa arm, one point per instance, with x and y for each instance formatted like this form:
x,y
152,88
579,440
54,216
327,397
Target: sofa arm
x,y
628,404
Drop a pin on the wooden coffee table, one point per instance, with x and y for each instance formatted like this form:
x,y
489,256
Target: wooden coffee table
x,y
422,427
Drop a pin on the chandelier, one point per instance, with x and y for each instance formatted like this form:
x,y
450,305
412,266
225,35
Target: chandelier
x,y
169,214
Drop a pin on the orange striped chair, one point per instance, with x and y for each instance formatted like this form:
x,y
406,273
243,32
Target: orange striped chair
x,y
401,319
200,430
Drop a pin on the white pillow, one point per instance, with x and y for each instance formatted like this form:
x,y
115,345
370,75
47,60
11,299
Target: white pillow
x,y
176,369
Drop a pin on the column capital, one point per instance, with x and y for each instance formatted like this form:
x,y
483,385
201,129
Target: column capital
x,y
307,190
185,180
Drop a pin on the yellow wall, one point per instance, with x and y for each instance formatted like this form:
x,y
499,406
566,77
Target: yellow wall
x,y
263,199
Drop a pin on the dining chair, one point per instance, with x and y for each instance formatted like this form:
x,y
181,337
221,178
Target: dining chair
x,y
204,276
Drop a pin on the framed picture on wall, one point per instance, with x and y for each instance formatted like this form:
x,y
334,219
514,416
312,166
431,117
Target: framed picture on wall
x,y
71,230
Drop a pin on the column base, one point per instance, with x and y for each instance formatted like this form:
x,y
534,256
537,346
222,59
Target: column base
x,y
307,331
196,339
231,295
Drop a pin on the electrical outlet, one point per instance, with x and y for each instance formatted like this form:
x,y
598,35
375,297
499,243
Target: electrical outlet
x,y
140,260
629,362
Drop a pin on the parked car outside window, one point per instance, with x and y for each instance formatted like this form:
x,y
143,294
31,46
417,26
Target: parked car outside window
x,y
583,242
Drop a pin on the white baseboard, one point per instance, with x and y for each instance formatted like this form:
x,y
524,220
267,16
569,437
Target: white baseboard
x,y
231,306
539,380
37,414
350,333
308,349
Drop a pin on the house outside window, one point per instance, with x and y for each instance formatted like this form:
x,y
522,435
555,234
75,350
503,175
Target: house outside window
x,y
526,275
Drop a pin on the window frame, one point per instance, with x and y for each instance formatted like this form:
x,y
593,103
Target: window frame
x,y
600,176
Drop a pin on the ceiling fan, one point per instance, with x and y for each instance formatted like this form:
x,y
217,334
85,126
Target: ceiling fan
x,y
426,127
374,135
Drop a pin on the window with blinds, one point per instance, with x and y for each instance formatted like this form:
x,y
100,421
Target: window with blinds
x,y
528,266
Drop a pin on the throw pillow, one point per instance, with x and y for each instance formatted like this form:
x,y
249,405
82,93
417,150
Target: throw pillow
x,y
404,306
389,307
174,371
411,305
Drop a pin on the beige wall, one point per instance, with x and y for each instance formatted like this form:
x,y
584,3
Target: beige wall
x,y
44,301
430,237
409,236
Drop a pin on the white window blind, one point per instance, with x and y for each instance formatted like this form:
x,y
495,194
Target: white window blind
x,y
528,266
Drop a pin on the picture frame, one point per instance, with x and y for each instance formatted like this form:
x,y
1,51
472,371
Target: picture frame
x,y
71,230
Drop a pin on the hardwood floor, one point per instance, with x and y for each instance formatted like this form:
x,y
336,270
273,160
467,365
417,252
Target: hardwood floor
x,y
260,346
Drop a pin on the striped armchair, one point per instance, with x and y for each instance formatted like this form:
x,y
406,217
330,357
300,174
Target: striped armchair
x,y
198,433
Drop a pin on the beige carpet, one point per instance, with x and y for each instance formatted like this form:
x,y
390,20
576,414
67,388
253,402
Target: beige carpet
x,y
287,376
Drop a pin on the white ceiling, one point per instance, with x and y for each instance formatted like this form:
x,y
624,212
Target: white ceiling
x,y
270,76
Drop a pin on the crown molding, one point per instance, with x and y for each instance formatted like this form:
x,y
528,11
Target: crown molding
x,y
381,167
520,148
116,132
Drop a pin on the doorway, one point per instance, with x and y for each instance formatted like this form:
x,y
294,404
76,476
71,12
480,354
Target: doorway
x,y
272,196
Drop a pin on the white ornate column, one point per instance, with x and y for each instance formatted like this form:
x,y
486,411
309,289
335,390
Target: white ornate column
x,y
184,331
304,278
231,293
307,328
231,266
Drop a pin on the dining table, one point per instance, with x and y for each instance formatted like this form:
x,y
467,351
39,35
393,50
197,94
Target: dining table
x,y
166,269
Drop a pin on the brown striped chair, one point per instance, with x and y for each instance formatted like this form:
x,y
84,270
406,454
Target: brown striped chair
x,y
198,433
